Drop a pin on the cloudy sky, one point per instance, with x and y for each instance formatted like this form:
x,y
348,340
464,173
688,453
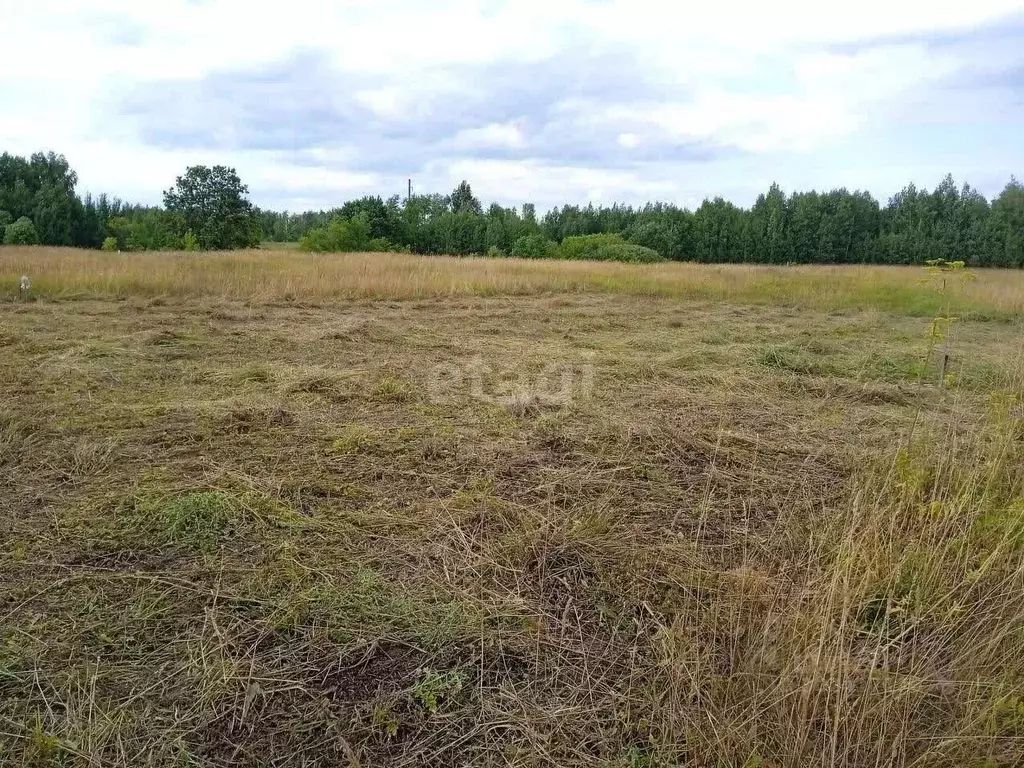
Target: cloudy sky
x,y
550,101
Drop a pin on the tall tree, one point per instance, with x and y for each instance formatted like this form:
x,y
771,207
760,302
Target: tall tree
x,y
212,204
1006,226
463,201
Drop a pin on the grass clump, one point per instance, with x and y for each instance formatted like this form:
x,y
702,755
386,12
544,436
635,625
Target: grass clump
x,y
391,389
200,520
197,519
367,606
252,374
353,438
793,360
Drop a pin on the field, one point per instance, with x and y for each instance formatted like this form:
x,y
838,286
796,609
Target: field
x,y
272,508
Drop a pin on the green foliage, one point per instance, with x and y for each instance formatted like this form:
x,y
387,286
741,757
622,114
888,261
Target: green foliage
x,y
533,247
44,749
626,252
197,519
950,223
191,241
21,232
1006,716
666,230
110,244
343,236
42,188
433,687
145,229
384,719
584,246
211,203
785,358
353,438
606,247
463,201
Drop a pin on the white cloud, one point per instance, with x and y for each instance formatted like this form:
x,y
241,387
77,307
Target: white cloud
x,y
629,140
786,80
496,135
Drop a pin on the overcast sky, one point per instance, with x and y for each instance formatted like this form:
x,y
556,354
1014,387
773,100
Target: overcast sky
x,y
550,101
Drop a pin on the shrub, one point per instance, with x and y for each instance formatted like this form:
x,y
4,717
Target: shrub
x,y
635,254
533,247
21,232
495,252
110,244
582,246
316,240
191,241
5,219
342,236
606,248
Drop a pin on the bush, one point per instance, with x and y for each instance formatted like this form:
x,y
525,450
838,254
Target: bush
x,y
582,246
191,241
5,219
606,248
342,236
21,232
635,254
110,244
533,247
381,245
495,252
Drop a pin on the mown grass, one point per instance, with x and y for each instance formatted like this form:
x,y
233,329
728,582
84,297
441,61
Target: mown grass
x,y
281,275
247,532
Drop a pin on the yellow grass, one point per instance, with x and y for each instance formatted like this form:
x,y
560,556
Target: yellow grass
x,y
261,275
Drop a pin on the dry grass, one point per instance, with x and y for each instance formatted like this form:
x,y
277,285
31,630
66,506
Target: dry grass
x,y
278,275
237,533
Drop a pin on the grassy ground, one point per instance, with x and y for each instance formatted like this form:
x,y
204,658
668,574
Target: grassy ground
x,y
283,275
600,524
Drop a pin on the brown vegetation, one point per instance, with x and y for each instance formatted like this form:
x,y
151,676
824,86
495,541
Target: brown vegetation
x,y
243,530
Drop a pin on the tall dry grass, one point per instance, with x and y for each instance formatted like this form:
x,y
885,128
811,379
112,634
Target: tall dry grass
x,y
281,275
889,634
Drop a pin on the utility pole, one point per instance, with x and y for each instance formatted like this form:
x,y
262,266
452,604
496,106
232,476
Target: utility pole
x,y
408,197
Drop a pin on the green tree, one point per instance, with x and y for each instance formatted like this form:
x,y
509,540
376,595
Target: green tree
x,y
212,203
463,201
1006,226
720,231
767,228
342,236
109,244
382,217
21,232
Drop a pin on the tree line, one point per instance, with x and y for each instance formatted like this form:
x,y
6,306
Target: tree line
x,y
207,209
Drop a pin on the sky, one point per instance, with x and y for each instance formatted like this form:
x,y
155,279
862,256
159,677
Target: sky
x,y
315,102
